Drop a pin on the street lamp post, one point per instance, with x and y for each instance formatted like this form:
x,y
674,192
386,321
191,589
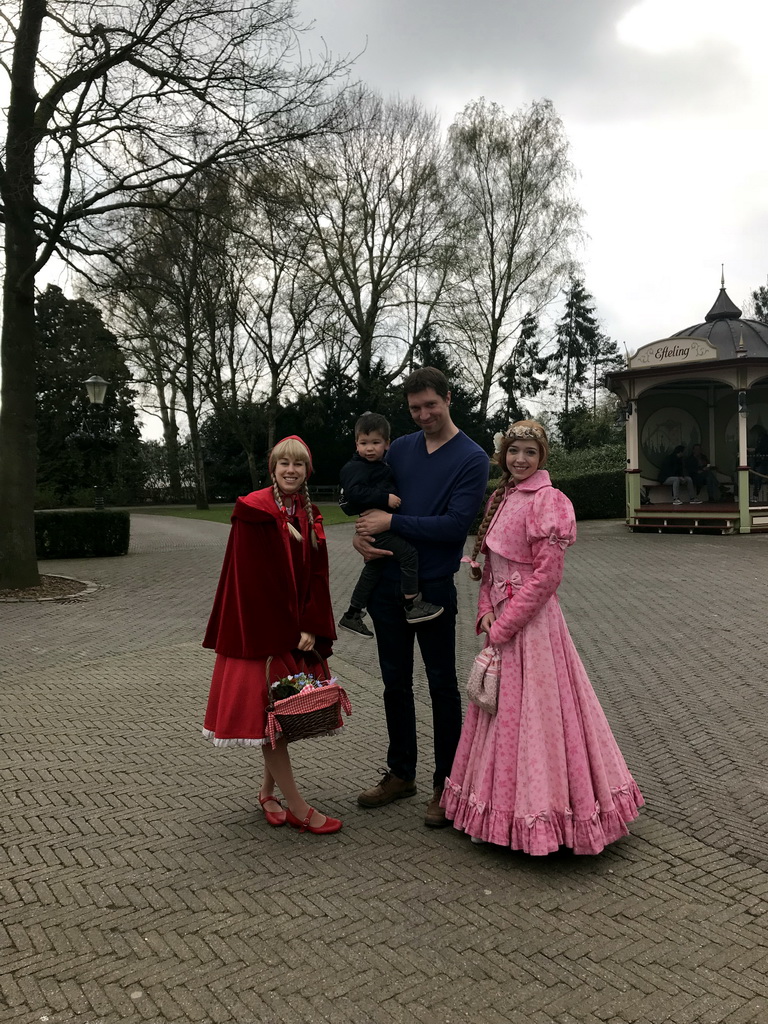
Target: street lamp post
x,y
97,389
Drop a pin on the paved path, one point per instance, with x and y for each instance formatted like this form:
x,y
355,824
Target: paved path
x,y
140,883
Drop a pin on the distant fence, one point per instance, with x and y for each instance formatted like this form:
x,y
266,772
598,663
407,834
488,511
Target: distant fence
x,y
324,492
163,496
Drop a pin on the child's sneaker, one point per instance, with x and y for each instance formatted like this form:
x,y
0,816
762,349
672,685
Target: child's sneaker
x,y
419,610
354,623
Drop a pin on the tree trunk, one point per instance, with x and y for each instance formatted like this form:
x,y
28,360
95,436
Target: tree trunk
x,y
272,413
171,441
364,360
568,363
253,469
201,492
170,426
18,431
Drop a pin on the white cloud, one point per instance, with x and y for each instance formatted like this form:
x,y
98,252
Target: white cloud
x,y
670,26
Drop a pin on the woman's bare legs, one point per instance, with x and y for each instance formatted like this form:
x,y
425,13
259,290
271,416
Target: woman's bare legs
x,y
268,790
277,769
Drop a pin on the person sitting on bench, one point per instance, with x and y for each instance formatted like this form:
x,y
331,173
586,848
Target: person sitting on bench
x,y
673,472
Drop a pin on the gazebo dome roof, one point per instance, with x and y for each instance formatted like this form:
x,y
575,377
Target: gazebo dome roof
x,y
730,334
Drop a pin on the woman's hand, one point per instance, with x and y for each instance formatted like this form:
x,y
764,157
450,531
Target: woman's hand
x,y
307,641
486,622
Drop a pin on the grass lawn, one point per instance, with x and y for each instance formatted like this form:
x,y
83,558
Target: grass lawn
x,y
331,513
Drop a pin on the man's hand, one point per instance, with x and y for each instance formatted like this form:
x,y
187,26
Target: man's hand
x,y
373,521
364,547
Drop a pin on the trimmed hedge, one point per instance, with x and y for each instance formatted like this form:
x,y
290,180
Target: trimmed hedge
x,y
83,533
595,495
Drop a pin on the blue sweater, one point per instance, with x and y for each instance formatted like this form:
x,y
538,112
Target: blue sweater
x,y
441,494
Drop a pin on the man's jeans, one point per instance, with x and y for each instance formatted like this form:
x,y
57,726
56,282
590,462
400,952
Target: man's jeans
x,y
437,643
675,482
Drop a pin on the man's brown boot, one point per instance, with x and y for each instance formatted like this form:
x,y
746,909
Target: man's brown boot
x,y
435,816
389,788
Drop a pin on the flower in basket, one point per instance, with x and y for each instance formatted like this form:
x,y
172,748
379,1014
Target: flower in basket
x,y
302,682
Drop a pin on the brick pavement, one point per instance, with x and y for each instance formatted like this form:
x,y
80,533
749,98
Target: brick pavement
x,y
140,883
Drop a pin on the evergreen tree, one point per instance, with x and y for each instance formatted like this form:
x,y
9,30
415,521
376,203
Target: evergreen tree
x,y
582,427
80,445
603,356
760,303
521,376
576,336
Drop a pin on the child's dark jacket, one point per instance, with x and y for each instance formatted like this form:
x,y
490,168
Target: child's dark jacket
x,y
365,485
271,587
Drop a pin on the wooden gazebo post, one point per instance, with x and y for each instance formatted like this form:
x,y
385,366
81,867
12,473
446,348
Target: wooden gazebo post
x,y
745,519
633,454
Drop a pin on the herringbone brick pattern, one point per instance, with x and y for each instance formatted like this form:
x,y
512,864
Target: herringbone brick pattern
x,y
140,883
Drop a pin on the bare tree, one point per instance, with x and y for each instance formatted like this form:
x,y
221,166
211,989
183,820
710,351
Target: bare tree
x,y
124,101
281,302
135,290
372,198
510,186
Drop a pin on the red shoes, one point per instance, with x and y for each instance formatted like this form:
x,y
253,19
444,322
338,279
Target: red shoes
x,y
329,826
274,818
277,818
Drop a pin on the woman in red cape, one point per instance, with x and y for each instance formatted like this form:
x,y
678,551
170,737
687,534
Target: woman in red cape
x,y
273,601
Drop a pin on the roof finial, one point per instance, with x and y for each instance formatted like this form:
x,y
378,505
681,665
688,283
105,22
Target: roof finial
x,y
722,275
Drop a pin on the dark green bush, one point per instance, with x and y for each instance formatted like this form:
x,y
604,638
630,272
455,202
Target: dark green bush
x,y
85,533
594,495
599,459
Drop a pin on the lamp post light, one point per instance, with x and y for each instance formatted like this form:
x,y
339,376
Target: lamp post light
x,y
97,390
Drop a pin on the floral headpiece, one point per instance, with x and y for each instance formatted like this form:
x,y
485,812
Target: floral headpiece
x,y
521,433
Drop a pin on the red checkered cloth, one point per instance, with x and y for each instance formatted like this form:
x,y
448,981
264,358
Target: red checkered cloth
x,y
320,710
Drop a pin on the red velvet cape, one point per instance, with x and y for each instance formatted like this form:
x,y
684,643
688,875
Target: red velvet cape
x,y
259,609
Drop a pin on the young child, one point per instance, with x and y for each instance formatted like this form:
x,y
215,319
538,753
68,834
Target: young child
x,y
368,482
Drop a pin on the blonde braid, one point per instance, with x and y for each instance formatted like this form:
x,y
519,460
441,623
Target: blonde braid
x,y
496,497
279,502
310,516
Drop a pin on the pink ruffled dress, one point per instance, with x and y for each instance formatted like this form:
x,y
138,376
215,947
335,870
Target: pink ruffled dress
x,y
545,771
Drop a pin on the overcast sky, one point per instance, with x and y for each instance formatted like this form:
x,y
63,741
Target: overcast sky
x,y
664,102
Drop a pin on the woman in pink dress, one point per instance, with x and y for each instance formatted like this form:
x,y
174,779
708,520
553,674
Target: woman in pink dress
x,y
545,771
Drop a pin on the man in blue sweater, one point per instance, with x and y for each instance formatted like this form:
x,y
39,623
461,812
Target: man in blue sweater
x,y
441,475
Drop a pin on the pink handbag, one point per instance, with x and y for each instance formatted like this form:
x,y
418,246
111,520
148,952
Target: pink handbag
x,y
483,682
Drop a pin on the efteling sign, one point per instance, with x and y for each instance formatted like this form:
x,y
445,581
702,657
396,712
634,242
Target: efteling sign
x,y
673,350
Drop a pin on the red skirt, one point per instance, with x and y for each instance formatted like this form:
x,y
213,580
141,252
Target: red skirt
x,y
237,703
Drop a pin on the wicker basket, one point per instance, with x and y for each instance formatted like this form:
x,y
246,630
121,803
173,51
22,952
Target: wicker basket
x,y
306,715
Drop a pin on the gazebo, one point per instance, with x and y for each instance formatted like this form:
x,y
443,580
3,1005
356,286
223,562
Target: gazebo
x,y
707,385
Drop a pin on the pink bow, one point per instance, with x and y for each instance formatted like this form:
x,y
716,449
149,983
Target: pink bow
x,y
515,581
531,819
472,562
562,541
479,805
